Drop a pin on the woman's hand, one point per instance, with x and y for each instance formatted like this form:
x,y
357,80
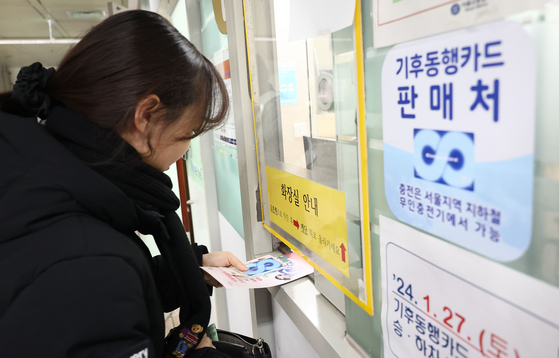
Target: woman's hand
x,y
220,259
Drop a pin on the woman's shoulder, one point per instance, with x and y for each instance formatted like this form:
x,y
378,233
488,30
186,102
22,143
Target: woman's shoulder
x,y
76,240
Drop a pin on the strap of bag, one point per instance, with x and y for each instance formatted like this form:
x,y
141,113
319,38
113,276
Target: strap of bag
x,y
256,348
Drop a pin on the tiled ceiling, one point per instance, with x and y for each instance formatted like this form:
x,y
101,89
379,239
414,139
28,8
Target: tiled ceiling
x,y
27,19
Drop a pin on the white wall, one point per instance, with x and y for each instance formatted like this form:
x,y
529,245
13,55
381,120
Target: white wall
x,y
238,300
290,342
179,20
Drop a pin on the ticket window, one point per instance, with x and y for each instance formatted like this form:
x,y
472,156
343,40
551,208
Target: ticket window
x,y
309,152
306,100
309,149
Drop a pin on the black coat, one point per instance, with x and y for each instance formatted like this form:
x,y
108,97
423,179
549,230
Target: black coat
x,y
75,280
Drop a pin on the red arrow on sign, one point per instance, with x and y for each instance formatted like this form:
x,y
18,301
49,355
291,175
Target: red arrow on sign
x,y
343,251
296,224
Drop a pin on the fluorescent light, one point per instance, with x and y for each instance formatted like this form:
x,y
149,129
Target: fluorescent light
x,y
38,41
93,14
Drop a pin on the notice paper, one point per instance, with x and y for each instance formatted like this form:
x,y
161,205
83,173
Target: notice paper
x,y
312,18
312,213
396,21
440,300
459,136
266,271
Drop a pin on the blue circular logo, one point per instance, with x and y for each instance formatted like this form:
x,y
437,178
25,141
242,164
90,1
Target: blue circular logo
x,y
455,9
445,157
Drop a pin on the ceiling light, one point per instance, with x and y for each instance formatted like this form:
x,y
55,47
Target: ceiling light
x,y
93,14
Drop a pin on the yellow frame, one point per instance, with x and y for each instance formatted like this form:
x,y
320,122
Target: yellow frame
x,y
218,15
358,33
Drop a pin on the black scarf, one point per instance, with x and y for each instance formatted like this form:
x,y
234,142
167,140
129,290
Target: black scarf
x,y
108,154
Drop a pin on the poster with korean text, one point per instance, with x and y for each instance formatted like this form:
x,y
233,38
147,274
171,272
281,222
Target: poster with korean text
x,y
444,302
312,213
458,122
396,21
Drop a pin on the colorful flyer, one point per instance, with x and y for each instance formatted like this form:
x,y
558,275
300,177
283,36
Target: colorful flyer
x,y
264,265
292,268
459,120
312,213
439,300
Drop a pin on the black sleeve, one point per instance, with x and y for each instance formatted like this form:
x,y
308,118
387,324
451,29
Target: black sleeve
x,y
199,250
84,307
165,283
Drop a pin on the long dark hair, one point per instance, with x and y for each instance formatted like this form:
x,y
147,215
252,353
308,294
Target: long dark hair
x,y
124,59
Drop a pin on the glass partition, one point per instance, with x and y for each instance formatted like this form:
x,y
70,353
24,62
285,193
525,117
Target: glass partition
x,y
307,117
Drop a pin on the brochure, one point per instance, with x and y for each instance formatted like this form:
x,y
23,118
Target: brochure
x,y
265,271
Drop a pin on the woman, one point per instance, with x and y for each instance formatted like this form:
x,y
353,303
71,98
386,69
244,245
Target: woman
x,y
76,280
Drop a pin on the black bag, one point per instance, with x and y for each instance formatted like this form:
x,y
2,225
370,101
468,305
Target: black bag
x,y
239,346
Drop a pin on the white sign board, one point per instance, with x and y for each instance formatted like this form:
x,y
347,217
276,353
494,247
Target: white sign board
x,y
459,122
312,18
441,301
396,21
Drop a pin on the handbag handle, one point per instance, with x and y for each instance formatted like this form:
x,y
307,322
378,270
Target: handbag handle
x,y
260,345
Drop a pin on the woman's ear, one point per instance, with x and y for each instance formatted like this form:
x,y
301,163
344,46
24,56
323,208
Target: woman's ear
x,y
137,134
144,111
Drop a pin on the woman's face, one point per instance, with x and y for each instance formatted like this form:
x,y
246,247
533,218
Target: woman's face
x,y
167,148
